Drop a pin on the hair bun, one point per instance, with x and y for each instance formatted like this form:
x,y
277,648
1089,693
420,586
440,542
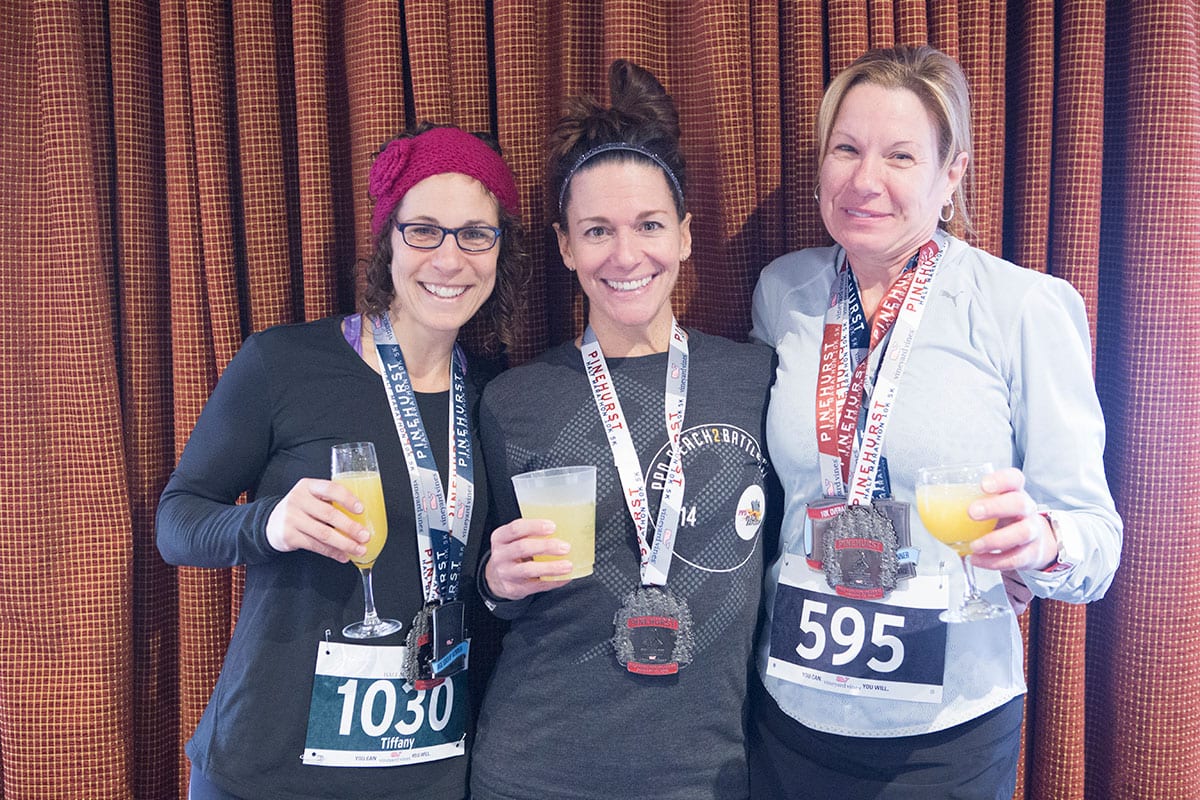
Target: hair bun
x,y
636,93
641,118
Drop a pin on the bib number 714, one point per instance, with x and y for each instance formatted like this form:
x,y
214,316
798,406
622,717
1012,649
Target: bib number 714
x,y
844,634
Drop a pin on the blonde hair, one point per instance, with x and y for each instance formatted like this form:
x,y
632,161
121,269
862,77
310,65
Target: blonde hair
x,y
937,81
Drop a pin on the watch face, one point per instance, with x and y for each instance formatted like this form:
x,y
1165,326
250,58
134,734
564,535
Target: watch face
x,y
1058,565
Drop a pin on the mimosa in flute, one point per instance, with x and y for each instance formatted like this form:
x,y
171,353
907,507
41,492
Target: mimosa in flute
x,y
943,496
355,467
368,488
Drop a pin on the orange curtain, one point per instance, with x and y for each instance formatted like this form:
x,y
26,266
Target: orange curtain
x,y
177,175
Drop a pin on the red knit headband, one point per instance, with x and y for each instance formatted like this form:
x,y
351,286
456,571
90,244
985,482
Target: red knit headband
x,y
406,162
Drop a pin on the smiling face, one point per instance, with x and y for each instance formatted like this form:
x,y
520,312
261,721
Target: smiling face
x,y
881,184
625,241
439,290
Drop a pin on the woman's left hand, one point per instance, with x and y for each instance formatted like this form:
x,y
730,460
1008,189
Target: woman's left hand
x,y
1023,538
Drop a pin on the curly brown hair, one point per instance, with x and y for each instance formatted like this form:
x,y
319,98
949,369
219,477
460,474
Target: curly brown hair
x,y
642,115
496,319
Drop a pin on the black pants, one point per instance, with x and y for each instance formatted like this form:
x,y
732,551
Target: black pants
x,y
973,761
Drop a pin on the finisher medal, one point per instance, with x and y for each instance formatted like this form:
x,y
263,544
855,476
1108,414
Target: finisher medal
x,y
653,628
418,656
860,553
653,632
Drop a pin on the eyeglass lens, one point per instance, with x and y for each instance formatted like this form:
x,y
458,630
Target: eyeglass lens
x,y
428,237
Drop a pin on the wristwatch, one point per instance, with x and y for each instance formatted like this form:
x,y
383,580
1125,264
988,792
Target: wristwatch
x,y
1059,565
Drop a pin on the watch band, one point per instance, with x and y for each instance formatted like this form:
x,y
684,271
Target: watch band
x,y
1059,565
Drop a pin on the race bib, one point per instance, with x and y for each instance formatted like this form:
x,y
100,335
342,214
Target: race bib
x,y
365,714
894,650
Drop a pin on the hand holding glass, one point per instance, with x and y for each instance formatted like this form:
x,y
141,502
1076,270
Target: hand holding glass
x,y
566,496
943,496
354,466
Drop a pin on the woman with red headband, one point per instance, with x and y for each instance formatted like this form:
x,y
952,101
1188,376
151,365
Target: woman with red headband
x,y
299,710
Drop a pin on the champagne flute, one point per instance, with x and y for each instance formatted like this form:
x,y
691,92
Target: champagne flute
x,y
355,467
943,496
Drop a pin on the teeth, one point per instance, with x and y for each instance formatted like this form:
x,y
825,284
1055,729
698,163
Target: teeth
x,y
629,286
444,291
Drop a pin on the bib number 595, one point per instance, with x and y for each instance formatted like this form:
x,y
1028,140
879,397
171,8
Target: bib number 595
x,y
844,633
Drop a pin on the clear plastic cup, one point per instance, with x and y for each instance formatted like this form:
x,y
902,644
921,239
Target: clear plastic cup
x,y
566,495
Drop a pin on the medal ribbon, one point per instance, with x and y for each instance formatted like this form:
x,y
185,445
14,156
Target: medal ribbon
x,y
443,524
655,557
843,369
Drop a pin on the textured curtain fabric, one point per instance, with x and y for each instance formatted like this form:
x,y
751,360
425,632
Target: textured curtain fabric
x,y
176,175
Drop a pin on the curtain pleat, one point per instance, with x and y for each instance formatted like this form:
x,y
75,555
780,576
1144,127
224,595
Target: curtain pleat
x,y
1075,192
205,329
363,104
715,92
979,46
265,190
545,51
66,551
146,385
1030,129
1142,669
805,71
763,230
447,52
178,175
324,207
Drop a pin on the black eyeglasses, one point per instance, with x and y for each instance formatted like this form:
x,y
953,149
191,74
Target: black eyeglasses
x,y
471,239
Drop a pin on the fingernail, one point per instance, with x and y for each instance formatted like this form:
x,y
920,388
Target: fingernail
x,y
976,511
562,548
988,485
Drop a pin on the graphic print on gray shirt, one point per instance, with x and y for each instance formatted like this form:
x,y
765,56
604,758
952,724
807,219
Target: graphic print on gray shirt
x,y
562,717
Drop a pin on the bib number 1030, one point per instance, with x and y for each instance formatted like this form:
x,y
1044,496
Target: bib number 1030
x,y
364,714
376,713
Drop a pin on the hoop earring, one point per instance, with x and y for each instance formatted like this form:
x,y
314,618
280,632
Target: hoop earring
x,y
817,193
943,216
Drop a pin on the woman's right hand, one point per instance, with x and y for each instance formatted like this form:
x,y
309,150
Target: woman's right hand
x,y
306,519
511,573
